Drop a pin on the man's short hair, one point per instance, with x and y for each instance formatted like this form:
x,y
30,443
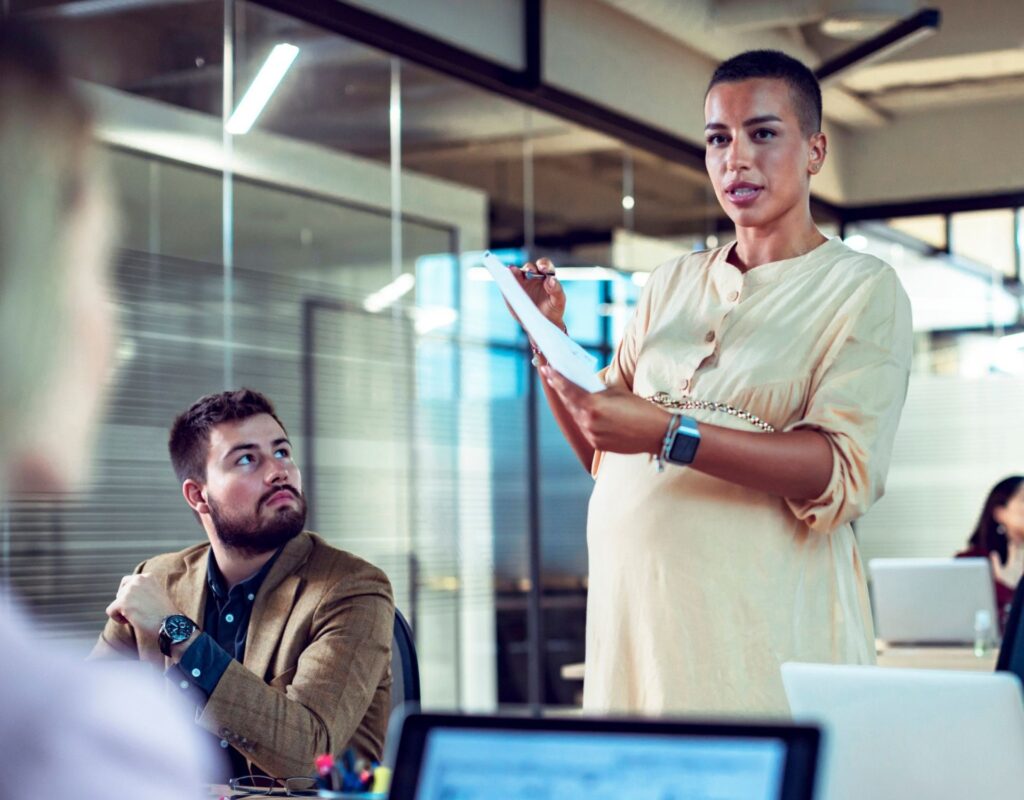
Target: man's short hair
x,y
189,441
803,86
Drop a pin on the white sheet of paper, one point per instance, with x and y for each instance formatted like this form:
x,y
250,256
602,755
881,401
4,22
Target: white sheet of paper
x,y
562,353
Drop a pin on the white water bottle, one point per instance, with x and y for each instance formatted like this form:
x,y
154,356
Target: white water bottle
x,y
982,632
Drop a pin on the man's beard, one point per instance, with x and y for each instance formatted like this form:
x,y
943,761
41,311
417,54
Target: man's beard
x,y
252,537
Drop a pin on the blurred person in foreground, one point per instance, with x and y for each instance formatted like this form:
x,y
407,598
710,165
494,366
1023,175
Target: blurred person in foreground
x,y
748,419
66,730
999,537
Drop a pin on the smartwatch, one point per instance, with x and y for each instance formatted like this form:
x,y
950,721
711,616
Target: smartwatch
x,y
174,630
683,447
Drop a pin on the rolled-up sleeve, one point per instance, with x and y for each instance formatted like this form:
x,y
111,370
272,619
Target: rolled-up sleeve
x,y
856,399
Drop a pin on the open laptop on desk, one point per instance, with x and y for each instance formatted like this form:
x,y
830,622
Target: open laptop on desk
x,y
582,758
898,734
930,600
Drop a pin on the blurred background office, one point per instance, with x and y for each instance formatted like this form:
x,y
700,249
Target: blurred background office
x,y
326,252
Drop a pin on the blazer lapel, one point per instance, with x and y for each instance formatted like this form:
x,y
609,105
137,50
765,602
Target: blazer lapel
x,y
274,603
189,591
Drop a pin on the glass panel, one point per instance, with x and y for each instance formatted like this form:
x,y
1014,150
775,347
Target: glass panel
x,y
986,238
946,293
929,228
169,52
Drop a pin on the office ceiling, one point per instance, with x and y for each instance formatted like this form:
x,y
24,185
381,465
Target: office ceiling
x,y
337,94
976,57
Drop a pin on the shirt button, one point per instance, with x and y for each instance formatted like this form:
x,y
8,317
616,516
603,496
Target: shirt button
x,y
224,743
710,337
734,296
183,684
684,385
196,673
229,617
252,597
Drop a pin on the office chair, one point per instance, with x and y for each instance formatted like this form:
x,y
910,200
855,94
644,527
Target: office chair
x,y
405,670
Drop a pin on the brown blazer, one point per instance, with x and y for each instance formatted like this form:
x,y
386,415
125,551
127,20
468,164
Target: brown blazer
x,y
316,676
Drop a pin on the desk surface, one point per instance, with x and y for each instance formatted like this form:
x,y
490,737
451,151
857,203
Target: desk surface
x,y
962,658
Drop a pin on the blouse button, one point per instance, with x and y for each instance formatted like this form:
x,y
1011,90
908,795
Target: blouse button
x,y
710,337
734,296
684,385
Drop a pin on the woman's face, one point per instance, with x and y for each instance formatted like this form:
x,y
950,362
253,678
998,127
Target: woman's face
x,y
759,160
1011,516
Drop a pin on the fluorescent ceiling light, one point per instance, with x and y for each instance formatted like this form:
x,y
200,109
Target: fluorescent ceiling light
x,y
389,295
263,86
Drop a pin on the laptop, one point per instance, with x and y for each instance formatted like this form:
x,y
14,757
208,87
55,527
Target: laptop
x,y
930,600
441,756
894,734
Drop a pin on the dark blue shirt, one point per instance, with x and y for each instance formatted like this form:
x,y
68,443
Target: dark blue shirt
x,y
225,627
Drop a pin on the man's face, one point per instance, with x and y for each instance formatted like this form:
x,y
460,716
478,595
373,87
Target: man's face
x,y
757,157
253,488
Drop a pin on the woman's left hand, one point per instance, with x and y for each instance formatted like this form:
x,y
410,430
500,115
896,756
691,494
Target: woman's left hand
x,y
615,420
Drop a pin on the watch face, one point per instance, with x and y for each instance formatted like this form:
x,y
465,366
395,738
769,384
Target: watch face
x,y
684,447
178,627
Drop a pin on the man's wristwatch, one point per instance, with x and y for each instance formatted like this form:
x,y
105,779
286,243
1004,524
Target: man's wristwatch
x,y
174,630
681,448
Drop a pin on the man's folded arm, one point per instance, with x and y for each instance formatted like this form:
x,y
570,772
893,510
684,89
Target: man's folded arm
x,y
117,639
283,730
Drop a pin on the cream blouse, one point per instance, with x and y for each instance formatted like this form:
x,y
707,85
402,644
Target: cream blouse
x,y
699,588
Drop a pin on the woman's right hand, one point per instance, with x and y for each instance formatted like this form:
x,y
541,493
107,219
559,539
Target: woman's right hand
x,y
546,293
1010,573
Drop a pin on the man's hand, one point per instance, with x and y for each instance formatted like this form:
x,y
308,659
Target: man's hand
x,y
615,420
142,602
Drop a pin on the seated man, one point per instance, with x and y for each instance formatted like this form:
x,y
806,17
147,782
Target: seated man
x,y
283,640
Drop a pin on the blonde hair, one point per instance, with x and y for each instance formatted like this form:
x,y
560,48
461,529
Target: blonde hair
x,y
46,174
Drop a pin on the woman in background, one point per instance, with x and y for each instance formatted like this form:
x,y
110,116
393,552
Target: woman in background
x,y
63,730
999,537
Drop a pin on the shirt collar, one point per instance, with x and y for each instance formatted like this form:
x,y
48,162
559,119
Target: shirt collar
x,y
251,585
776,270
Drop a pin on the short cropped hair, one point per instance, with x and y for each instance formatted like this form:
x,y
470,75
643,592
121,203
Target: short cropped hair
x,y
189,442
772,64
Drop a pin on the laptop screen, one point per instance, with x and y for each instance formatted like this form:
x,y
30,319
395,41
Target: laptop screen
x,y
472,764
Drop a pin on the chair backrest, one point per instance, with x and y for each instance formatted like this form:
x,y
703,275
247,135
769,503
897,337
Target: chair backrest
x,y
405,669
1011,654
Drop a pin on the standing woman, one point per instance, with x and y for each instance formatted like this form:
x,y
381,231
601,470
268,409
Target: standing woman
x,y
749,419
